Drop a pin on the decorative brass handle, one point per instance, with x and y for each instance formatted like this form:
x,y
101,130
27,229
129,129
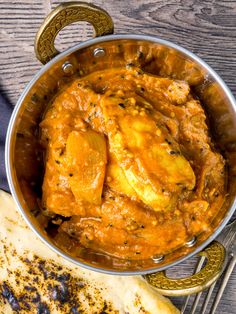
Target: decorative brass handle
x,y
64,15
215,254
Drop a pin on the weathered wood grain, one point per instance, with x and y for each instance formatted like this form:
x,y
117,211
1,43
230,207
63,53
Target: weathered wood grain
x,y
206,27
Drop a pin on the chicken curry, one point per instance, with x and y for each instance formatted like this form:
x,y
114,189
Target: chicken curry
x,y
130,166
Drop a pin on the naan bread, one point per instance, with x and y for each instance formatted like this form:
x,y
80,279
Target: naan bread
x,y
34,279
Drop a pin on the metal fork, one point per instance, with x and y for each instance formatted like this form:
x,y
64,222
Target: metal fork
x,y
228,239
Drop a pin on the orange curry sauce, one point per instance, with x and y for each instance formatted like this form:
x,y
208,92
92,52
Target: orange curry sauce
x,y
130,163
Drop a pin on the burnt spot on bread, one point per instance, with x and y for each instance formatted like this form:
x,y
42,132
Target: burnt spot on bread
x,y
42,308
74,310
44,286
9,295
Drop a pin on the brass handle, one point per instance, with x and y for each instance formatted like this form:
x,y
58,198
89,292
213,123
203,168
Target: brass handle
x,y
64,15
215,254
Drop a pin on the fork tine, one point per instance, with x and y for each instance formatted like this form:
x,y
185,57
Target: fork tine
x,y
227,274
197,269
185,304
195,303
207,298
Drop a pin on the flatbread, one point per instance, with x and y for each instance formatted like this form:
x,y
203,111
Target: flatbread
x,y
34,279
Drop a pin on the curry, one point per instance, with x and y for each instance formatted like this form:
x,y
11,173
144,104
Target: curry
x,y
131,169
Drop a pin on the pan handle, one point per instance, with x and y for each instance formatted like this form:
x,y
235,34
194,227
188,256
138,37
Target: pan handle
x,y
64,15
215,254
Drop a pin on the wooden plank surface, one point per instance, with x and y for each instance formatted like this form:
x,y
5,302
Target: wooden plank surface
x,y
208,28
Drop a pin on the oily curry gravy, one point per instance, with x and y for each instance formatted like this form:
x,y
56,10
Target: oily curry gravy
x,y
130,166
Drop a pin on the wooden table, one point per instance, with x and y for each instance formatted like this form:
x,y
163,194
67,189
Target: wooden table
x,y
208,28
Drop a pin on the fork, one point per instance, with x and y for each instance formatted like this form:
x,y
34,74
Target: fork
x,y
227,239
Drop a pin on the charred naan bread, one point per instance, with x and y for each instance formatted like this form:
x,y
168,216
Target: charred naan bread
x,y
34,279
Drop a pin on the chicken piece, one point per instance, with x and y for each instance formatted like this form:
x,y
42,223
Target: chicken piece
x,y
86,158
178,92
121,243
124,227
150,158
116,178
